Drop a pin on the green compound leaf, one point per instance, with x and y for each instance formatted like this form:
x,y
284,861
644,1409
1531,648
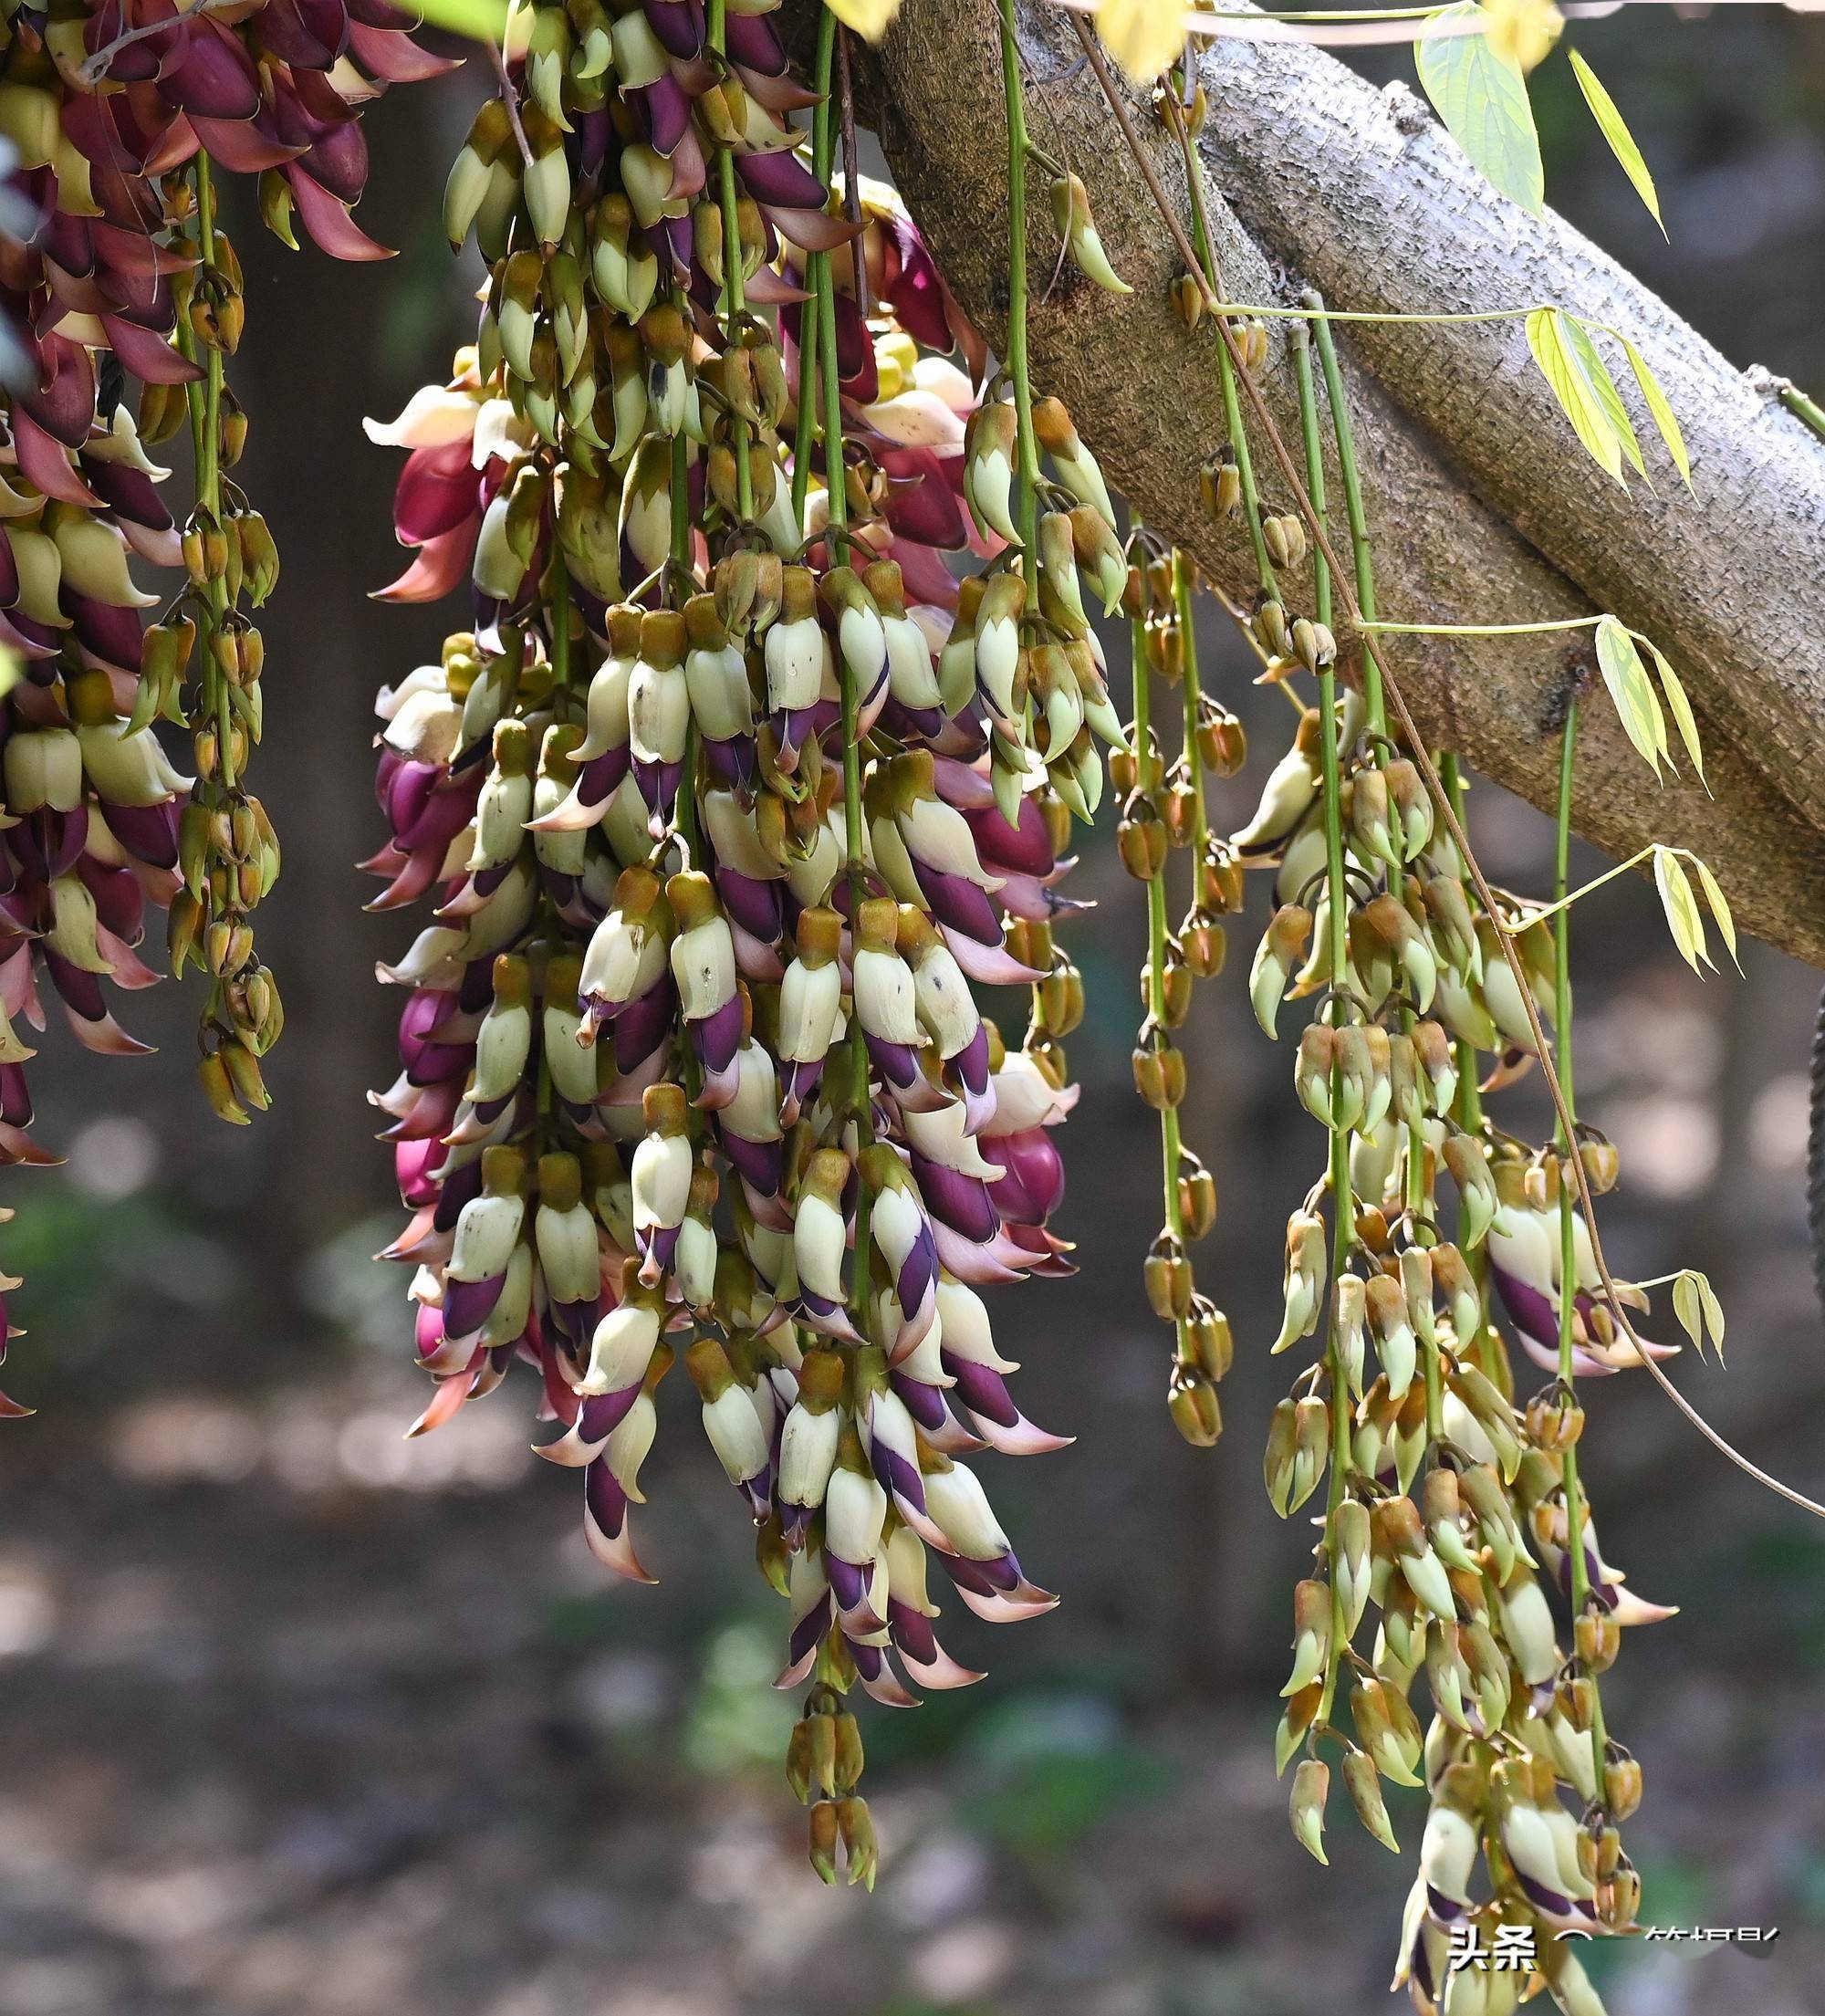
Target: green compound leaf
x,y
1664,416
1626,680
1597,374
1483,100
1680,707
1615,130
1720,909
1681,907
1700,1313
1579,398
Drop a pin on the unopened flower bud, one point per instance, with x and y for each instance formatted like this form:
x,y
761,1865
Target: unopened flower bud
x,y
1191,1398
1311,1786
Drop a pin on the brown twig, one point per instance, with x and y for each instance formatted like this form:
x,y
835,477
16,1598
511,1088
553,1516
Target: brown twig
x,y
1342,580
510,99
851,173
96,66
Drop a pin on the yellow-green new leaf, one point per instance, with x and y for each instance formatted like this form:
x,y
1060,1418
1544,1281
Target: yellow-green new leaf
x,y
1577,397
1688,1309
1714,1314
1603,387
1720,908
480,20
1664,416
1680,706
1681,907
1700,1313
1615,130
1483,99
1625,679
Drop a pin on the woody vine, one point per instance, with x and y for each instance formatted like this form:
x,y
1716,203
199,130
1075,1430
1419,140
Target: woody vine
x,y
742,805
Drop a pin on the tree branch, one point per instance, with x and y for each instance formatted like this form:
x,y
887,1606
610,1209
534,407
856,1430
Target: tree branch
x,y
1483,506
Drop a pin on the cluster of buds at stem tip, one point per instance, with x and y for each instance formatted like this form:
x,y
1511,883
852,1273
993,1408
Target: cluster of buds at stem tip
x,y
1444,1503
728,802
113,321
1163,812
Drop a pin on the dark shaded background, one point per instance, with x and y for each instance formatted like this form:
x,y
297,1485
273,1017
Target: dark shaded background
x,y
301,1717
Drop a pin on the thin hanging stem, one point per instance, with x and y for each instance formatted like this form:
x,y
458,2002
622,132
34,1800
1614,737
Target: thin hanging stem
x,y
734,307
1206,269
817,278
1019,148
1352,506
1337,919
1575,1513
1158,931
1193,696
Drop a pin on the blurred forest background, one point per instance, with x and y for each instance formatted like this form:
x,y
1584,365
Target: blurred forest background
x,y
302,1718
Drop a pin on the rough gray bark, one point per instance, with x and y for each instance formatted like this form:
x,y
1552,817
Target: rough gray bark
x,y
1483,505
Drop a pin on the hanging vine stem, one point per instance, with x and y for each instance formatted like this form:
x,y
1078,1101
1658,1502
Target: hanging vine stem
x,y
1364,573
1336,922
734,307
1019,146
1206,268
817,275
1353,511
1193,697
1538,1041
205,435
835,484
1575,1509
1158,931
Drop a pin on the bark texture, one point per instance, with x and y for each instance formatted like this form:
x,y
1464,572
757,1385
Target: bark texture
x,y
1483,505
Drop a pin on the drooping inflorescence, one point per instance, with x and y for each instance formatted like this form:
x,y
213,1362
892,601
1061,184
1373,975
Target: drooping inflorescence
x,y
112,271
729,800
1451,1503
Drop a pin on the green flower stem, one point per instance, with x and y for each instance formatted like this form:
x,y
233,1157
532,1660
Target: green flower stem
x,y
837,540
836,488
816,273
1018,147
1567,1246
732,305
203,398
1802,408
837,545
1469,1099
1232,404
685,812
1352,505
1157,933
1363,567
1194,696
1469,1102
1337,921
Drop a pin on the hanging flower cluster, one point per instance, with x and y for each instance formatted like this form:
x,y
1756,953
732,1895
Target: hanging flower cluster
x,y
1450,1506
1163,809
726,800
111,269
